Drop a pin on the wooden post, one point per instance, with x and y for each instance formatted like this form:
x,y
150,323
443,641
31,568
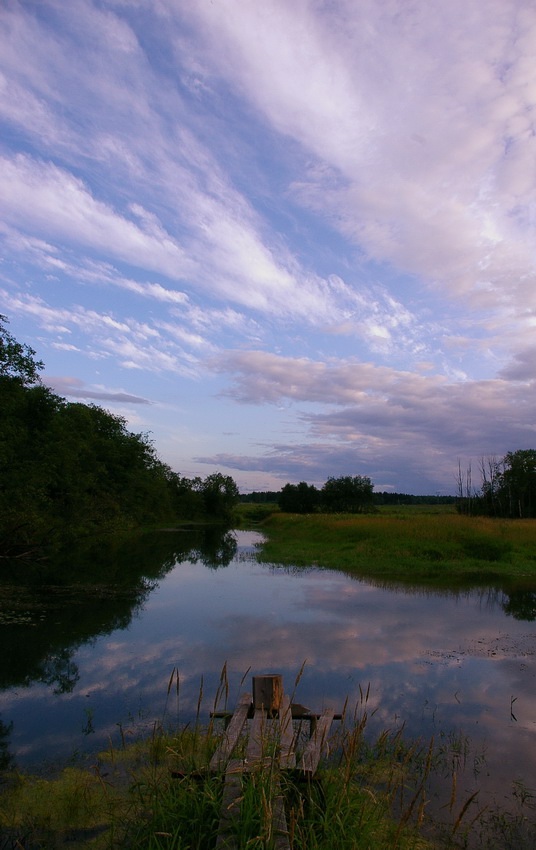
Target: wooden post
x,y
272,722
268,692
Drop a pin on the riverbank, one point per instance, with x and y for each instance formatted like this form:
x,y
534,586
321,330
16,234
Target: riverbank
x,y
435,548
366,797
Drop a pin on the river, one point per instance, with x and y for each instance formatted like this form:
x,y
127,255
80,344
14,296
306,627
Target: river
x,y
88,662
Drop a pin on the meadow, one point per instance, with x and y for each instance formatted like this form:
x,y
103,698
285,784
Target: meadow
x,y
425,544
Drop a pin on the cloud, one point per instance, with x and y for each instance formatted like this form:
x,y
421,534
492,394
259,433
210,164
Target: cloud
x,y
140,130
398,467
221,240
341,193
434,178
385,423
265,377
147,137
522,367
134,344
40,195
418,125
70,387
64,346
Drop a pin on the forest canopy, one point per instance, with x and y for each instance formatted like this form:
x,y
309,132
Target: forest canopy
x,y
71,468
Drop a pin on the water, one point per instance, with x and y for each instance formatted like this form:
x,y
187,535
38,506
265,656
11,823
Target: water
x,y
80,667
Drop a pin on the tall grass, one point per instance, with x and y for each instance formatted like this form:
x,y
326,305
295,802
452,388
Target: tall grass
x,y
130,800
158,793
366,797
406,546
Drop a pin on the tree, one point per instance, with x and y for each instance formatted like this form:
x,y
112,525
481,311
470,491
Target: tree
x,y
220,495
517,484
508,487
348,494
67,469
17,359
299,498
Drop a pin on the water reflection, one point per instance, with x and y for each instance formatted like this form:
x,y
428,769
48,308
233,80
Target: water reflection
x,y
514,599
59,606
435,661
521,604
6,759
518,602
215,549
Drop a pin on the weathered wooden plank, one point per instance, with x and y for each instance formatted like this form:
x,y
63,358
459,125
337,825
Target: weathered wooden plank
x,y
298,713
232,733
313,750
230,810
287,757
279,822
256,734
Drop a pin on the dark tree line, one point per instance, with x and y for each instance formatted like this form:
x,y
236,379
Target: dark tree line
x,y
383,497
260,497
508,486
347,494
68,468
388,498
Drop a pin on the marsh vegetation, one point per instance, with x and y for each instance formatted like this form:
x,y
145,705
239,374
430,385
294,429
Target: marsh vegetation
x,y
158,793
434,545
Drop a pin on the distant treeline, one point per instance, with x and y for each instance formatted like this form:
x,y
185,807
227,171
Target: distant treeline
x,y
68,469
261,497
385,498
378,498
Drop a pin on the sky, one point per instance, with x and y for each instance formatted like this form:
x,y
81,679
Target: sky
x,y
289,239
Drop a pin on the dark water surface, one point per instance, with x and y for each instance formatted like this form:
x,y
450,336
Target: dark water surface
x,y
80,664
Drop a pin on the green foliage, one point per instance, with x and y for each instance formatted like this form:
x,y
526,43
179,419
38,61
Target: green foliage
x,y
268,496
128,799
508,487
369,794
517,483
220,495
247,513
388,498
70,468
16,359
299,498
348,494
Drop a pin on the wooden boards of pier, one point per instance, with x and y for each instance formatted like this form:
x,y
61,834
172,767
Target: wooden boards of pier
x,y
271,714
232,733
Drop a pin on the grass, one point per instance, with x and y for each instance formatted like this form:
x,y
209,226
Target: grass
x,y
128,799
369,796
254,512
406,544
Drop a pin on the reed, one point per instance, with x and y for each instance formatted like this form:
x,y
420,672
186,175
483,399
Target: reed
x,y
157,793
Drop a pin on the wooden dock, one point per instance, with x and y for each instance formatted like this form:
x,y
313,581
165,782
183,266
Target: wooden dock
x,y
269,744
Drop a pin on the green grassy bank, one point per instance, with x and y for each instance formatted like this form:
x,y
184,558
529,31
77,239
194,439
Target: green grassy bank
x,y
406,544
